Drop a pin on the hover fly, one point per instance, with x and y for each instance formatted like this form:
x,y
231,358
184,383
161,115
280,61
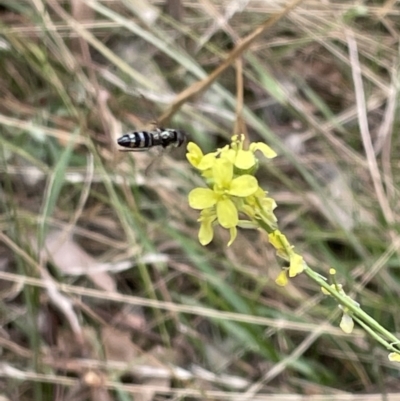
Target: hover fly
x,y
144,140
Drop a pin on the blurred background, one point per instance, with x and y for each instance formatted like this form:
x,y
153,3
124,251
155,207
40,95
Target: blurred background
x,y
106,293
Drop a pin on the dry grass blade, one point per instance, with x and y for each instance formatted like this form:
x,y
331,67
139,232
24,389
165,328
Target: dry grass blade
x,y
238,50
120,270
174,307
364,129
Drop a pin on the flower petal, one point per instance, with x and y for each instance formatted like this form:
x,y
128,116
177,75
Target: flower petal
x,y
194,149
279,241
347,324
394,357
245,160
227,213
202,198
233,232
194,154
227,153
223,172
282,279
206,162
268,204
206,232
264,149
243,186
296,264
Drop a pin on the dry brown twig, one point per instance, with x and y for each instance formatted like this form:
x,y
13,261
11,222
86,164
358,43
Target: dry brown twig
x,y
237,51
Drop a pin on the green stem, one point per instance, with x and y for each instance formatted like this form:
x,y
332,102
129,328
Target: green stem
x,y
356,310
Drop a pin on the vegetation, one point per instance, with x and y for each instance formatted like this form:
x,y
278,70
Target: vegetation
x,y
109,291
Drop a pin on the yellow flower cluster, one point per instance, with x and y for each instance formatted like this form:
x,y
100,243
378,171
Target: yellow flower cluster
x,y
232,193
232,189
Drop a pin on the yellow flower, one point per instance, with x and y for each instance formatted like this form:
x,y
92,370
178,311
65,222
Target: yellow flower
x,y
197,159
296,264
285,251
232,188
221,199
245,159
225,188
260,209
280,243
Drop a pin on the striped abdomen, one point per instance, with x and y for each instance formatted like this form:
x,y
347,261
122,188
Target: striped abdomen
x,y
143,140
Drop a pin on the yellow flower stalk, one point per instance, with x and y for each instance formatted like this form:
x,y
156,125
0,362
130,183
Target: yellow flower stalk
x,y
232,198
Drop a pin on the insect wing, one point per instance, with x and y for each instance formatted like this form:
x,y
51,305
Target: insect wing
x,y
156,162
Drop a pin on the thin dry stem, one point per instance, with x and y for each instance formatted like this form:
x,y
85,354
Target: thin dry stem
x,y
238,50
